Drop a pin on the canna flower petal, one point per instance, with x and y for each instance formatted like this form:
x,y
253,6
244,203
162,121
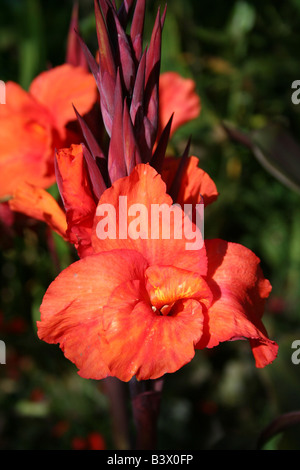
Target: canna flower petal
x,y
177,95
33,124
57,89
26,142
72,308
40,205
163,242
155,344
196,183
78,198
240,290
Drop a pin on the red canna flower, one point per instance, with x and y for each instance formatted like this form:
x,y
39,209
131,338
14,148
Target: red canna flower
x,y
140,307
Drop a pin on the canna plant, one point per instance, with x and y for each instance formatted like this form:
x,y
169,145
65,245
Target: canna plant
x,y
138,309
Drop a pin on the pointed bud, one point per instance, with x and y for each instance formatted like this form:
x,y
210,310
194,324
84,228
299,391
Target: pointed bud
x,y
106,58
176,184
137,28
116,160
96,179
160,151
89,137
74,54
131,151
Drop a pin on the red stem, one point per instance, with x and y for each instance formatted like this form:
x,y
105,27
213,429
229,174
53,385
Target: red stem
x,y
146,399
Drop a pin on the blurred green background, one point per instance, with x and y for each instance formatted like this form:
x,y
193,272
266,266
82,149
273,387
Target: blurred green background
x,y
243,56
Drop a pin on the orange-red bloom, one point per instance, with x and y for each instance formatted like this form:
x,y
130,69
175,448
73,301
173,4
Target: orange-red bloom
x,y
140,307
34,123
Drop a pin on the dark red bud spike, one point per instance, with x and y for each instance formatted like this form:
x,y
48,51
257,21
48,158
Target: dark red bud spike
x,y
131,151
137,28
104,6
163,17
147,139
160,151
154,50
58,176
176,183
93,66
107,98
102,165
152,77
126,64
96,179
74,53
137,101
116,160
89,137
106,58
124,11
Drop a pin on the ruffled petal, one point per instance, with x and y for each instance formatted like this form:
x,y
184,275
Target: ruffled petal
x,y
177,95
195,182
134,222
26,142
240,290
144,344
166,285
72,308
61,87
40,205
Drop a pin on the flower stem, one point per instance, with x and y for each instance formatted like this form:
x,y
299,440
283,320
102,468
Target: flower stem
x,y
146,398
115,391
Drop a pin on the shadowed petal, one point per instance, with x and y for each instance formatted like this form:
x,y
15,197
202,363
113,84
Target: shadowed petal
x,y
195,182
40,205
240,290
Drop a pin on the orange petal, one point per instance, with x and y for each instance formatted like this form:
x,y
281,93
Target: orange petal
x,y
240,290
72,308
26,142
60,88
177,95
143,343
40,205
77,197
162,238
195,182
